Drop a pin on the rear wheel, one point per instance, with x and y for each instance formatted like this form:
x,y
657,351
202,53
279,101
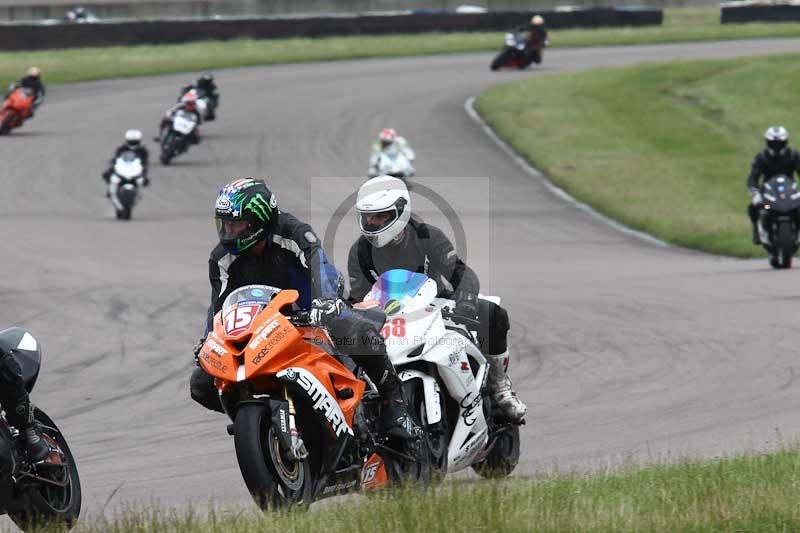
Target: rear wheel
x,y
57,500
503,458
274,480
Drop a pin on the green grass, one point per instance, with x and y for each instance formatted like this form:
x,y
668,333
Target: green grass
x,y
755,492
80,64
663,148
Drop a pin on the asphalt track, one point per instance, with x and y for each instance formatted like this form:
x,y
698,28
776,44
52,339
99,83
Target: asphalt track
x,y
620,348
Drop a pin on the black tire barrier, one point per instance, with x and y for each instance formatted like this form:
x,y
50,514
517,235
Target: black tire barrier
x,y
760,13
40,37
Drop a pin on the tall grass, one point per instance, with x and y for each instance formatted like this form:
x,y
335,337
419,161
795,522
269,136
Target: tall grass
x,y
755,492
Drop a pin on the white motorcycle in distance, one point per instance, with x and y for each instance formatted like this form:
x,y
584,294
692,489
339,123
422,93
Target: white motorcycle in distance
x,y
177,140
124,183
393,162
444,375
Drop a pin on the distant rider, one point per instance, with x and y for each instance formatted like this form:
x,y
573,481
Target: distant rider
x,y
775,160
391,237
32,80
388,139
133,143
19,409
259,244
536,37
189,106
206,84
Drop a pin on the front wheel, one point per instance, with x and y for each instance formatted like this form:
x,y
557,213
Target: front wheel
x,y
6,120
503,457
274,480
501,59
785,244
56,498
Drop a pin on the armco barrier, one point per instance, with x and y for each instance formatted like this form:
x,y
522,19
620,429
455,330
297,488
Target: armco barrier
x,y
37,37
762,13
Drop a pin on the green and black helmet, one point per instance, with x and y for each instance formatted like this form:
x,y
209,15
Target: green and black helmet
x,y
246,213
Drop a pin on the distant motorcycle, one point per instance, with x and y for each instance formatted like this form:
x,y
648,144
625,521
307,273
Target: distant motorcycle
x,y
178,138
393,162
517,52
779,220
124,183
44,493
16,109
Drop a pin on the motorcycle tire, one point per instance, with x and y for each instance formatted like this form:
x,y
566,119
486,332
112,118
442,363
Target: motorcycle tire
x,y
503,458
501,59
785,244
124,213
48,505
273,483
5,123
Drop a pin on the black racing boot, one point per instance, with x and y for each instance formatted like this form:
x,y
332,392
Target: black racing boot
x,y
36,448
397,420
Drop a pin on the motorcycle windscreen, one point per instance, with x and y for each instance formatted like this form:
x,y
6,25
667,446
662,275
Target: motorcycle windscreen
x,y
242,305
25,350
402,290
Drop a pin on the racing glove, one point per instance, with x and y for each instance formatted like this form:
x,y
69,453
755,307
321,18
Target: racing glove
x,y
755,197
466,304
325,310
198,347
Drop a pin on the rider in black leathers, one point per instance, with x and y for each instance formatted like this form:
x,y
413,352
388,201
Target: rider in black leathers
x,y
261,245
775,160
393,238
19,409
133,143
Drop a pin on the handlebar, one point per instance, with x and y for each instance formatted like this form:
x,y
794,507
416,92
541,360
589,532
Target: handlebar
x,y
452,316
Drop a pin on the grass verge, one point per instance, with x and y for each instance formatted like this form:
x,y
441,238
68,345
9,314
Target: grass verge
x,y
756,492
79,64
663,148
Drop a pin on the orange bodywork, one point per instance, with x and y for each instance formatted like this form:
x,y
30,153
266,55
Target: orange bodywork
x,y
373,474
19,101
270,344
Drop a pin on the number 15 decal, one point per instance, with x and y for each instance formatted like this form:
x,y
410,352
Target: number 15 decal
x,y
394,328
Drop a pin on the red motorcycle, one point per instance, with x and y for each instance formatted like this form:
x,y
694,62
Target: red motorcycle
x,y
16,109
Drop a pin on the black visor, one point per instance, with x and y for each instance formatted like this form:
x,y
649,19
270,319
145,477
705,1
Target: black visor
x,y
776,145
370,225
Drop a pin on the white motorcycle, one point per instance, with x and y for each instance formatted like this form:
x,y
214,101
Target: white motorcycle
x,y
177,140
124,183
393,162
444,377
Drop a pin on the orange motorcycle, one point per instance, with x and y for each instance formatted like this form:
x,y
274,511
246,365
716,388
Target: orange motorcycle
x,y
16,109
306,425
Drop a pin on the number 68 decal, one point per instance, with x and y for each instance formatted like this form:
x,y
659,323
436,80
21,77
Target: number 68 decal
x,y
394,328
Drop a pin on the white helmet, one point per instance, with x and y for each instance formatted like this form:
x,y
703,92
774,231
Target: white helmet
x,y
383,195
777,138
133,137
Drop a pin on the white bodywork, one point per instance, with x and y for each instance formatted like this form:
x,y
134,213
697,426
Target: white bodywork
x,y
127,175
184,122
450,352
515,40
394,162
